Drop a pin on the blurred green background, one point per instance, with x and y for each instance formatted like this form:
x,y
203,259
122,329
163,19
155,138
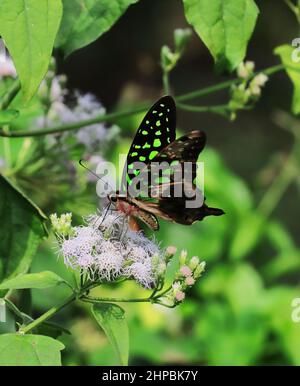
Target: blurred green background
x,y
240,311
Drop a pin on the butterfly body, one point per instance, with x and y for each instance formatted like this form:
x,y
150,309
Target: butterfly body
x,y
132,207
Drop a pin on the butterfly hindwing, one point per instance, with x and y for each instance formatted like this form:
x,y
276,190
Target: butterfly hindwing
x,y
170,207
185,149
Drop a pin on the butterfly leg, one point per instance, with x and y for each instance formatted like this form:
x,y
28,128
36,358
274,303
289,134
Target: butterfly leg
x,y
123,231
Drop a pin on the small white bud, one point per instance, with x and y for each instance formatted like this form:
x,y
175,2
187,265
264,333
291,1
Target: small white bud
x,y
182,257
194,262
199,270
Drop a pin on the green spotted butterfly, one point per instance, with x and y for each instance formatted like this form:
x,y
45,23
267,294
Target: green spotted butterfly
x,y
155,142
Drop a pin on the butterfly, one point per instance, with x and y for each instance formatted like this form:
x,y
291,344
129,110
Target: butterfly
x,y
155,142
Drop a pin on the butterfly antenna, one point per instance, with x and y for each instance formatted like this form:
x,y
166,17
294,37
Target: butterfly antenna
x,y
93,173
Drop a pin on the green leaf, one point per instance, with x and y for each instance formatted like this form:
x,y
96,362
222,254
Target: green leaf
x,y
22,228
248,234
29,28
29,350
112,319
86,20
6,116
225,27
292,68
40,280
51,329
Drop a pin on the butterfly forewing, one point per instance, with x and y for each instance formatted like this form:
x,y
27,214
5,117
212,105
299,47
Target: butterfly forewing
x,y
156,132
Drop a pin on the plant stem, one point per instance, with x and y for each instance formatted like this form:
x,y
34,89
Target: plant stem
x,y
47,315
91,299
293,8
150,299
218,109
166,83
273,195
6,148
9,96
111,117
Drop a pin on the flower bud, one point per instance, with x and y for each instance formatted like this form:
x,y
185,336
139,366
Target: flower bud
x,y
181,38
254,89
168,58
194,262
179,296
260,79
189,281
199,269
185,271
245,70
170,252
182,257
161,269
62,225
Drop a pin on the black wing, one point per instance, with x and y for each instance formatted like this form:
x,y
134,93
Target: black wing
x,y
156,132
168,205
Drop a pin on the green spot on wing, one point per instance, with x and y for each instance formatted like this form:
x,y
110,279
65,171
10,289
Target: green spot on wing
x,y
146,146
153,154
157,142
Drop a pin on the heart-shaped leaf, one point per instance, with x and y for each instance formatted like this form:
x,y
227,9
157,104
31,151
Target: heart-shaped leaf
x,y
40,280
112,319
29,350
29,28
225,27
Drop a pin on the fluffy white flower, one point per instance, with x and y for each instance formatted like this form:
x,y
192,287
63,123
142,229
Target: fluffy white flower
x,y
79,248
106,249
89,103
142,272
91,136
109,262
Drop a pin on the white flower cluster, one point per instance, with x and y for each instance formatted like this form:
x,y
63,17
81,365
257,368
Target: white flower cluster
x,y
83,107
248,90
188,273
106,249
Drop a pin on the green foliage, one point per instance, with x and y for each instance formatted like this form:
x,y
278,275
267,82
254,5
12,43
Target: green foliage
x,y
86,20
7,116
111,318
39,280
28,28
293,70
224,26
29,350
21,231
240,313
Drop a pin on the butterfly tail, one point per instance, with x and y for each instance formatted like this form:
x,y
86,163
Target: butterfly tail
x,y
212,211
